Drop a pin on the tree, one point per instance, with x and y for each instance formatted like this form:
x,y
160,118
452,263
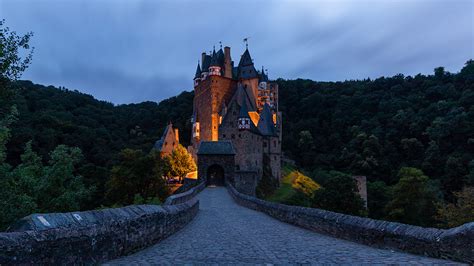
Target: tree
x,y
12,65
181,162
136,173
62,190
378,194
34,187
413,202
339,193
455,214
439,72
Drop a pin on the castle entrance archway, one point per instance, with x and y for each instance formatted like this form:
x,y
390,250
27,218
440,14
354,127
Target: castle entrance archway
x,y
215,175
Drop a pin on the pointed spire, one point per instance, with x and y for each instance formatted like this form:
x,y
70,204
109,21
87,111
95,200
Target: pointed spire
x,y
246,59
265,124
263,75
198,71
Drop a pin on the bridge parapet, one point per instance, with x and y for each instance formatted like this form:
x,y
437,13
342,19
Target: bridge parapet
x,y
186,195
92,237
455,243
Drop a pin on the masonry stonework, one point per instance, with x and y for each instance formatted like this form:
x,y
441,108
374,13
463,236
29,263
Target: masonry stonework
x,y
454,244
237,104
92,237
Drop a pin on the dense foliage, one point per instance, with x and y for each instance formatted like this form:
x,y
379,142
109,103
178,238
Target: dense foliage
x,y
180,162
49,116
401,132
137,177
339,194
377,127
295,188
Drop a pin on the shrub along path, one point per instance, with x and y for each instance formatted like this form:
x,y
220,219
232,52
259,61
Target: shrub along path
x,y
224,232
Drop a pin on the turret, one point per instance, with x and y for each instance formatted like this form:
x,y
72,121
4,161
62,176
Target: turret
x,y
214,69
246,67
206,61
197,76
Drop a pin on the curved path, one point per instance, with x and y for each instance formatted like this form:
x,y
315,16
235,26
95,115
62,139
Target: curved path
x,y
224,232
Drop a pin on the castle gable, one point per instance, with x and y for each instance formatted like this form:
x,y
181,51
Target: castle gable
x,y
169,140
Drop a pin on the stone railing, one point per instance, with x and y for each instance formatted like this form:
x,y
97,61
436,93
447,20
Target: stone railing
x,y
92,237
455,243
185,196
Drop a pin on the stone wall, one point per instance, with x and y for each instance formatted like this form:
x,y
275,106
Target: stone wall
x,y
205,161
455,243
92,237
246,181
186,195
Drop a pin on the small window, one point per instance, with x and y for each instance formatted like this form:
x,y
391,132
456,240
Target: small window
x,y
274,143
232,136
223,136
240,135
237,167
264,144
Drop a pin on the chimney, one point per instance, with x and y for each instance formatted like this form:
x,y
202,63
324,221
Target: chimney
x,y
203,56
227,63
176,135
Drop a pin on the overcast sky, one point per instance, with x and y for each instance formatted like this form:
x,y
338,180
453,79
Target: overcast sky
x,y
133,51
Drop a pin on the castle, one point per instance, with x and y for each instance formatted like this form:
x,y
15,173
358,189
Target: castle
x,y
236,124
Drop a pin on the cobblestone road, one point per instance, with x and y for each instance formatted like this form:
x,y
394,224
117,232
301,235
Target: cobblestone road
x,y
224,232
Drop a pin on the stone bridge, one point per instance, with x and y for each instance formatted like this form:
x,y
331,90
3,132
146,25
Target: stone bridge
x,y
224,232
221,225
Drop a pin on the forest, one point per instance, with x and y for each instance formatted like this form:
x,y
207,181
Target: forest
x,y
413,137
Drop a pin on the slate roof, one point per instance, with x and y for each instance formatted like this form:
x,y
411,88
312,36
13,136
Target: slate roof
x,y
221,147
159,143
265,124
240,96
206,63
246,59
263,76
242,101
214,59
246,69
198,72
244,111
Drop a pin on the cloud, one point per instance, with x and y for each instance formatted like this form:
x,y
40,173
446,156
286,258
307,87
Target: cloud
x,y
132,51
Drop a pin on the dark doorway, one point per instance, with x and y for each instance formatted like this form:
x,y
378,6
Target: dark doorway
x,y
215,175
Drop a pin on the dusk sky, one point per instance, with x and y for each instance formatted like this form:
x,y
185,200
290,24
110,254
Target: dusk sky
x,y
133,51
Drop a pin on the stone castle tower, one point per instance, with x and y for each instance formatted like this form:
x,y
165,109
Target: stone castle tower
x,y
237,104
